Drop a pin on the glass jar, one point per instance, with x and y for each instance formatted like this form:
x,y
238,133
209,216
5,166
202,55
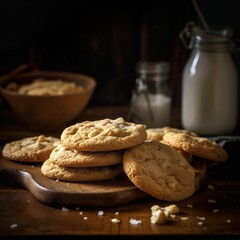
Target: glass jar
x,y
151,101
209,86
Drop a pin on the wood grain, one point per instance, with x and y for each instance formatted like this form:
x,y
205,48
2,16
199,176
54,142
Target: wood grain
x,y
114,192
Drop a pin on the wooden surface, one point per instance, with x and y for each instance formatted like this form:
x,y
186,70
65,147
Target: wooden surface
x,y
33,218
115,192
23,215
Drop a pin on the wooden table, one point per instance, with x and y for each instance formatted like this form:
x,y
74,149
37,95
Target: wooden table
x,y
208,213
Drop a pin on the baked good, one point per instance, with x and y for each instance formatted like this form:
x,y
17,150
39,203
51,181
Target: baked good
x,y
160,171
30,149
155,133
103,135
67,157
186,155
158,133
161,214
198,146
42,87
51,170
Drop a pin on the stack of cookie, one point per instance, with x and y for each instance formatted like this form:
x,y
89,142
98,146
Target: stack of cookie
x,y
93,150
162,166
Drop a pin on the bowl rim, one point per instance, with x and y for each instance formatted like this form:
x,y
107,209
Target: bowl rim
x,y
6,79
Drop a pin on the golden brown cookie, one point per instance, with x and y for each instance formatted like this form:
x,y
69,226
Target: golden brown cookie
x,y
158,133
160,171
66,157
103,135
30,149
54,171
155,133
186,155
198,146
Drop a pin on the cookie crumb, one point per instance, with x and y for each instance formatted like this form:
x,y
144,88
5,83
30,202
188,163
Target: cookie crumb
x,y
64,209
229,221
81,213
215,210
85,218
158,216
14,225
173,216
171,209
162,214
100,213
135,221
116,213
184,218
200,223
115,220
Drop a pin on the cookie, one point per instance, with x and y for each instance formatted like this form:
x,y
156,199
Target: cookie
x,y
66,157
30,149
160,171
54,171
158,133
186,155
103,135
198,146
155,133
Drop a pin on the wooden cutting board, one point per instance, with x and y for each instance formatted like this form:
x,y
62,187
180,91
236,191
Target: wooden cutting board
x,y
115,192
119,191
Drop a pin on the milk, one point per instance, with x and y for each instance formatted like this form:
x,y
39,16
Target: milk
x,y
160,106
209,93
151,100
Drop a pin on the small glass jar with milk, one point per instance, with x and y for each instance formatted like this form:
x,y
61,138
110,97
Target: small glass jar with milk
x,y
151,99
209,85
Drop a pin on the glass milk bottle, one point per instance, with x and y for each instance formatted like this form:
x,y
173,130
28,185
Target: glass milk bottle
x,y
151,101
209,86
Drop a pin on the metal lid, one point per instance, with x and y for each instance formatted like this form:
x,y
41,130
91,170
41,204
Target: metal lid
x,y
212,41
192,36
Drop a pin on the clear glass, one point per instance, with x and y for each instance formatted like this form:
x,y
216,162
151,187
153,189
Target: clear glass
x,y
151,100
209,87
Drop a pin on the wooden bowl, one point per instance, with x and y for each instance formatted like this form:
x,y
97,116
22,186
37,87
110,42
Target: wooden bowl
x,y
48,113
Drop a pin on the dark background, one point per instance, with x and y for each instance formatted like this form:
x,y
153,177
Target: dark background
x,y
105,39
